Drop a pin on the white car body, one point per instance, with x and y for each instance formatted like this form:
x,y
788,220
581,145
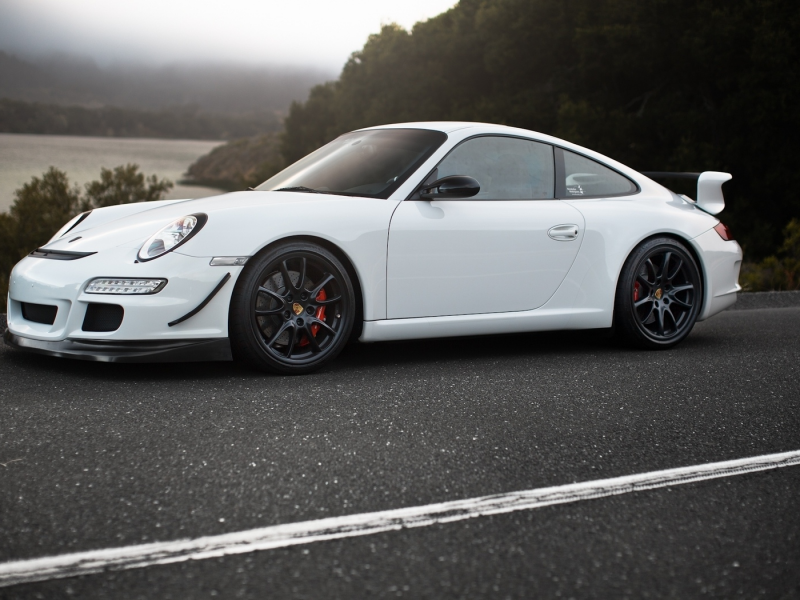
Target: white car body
x,y
424,268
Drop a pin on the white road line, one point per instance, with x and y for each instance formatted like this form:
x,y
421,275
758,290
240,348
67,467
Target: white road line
x,y
280,536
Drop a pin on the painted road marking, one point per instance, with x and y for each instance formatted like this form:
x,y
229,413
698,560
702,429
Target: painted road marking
x,y
280,536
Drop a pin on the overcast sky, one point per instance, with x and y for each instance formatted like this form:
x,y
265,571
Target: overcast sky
x,y
304,32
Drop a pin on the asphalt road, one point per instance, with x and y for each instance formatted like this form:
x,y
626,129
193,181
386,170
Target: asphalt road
x,y
114,455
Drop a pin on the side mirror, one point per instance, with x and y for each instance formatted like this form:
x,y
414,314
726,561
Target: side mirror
x,y
454,186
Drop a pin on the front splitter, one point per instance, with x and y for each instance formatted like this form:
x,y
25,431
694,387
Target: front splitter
x,y
194,350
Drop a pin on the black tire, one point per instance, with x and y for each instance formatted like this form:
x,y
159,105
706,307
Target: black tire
x,y
659,295
292,329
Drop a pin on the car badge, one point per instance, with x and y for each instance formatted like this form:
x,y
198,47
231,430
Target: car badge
x,y
658,294
297,308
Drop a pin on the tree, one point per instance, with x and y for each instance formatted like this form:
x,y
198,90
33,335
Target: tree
x,y
123,185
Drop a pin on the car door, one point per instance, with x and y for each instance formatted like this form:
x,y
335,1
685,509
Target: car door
x,y
506,249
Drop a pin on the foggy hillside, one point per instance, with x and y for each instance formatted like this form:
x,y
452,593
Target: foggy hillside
x,y
223,88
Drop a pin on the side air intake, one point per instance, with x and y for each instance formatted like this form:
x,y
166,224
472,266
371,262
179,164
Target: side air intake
x,y
103,317
39,313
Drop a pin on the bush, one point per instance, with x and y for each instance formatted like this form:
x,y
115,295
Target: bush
x,y
778,272
43,205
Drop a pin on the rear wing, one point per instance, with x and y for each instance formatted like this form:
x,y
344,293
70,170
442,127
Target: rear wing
x,y
709,187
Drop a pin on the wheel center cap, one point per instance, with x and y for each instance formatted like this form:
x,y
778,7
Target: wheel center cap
x,y
658,294
298,309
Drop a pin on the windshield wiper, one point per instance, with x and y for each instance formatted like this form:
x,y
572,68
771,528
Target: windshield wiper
x,y
299,188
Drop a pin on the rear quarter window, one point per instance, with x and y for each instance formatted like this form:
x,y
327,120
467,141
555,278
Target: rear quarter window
x,y
581,177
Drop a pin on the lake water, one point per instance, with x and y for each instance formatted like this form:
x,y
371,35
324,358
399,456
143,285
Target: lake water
x,y
23,156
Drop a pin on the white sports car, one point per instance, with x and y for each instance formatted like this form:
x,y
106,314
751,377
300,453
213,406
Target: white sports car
x,y
416,230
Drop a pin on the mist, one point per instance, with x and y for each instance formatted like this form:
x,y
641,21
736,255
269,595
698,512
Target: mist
x,y
314,33
233,89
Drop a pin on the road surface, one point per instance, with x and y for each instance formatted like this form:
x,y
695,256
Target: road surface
x,y
96,456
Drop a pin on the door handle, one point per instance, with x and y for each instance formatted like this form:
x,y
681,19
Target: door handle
x,y
563,233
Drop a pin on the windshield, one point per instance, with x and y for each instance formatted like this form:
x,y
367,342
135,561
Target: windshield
x,y
363,163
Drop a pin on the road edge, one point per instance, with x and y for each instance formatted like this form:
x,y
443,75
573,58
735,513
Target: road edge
x,y
756,300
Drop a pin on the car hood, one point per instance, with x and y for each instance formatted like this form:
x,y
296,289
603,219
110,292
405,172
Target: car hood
x,y
230,217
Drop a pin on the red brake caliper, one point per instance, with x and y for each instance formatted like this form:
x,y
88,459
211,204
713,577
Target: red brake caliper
x,y
320,315
320,311
635,291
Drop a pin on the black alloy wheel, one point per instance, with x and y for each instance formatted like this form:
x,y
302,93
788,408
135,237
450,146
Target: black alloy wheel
x,y
659,295
292,309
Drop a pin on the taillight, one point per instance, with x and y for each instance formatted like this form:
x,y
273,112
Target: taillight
x,y
724,231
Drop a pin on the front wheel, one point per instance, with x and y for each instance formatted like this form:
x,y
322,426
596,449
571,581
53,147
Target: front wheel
x,y
659,295
292,309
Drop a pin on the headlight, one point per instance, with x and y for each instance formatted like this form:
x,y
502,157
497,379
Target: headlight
x,y
172,236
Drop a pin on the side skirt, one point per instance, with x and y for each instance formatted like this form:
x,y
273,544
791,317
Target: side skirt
x,y
487,324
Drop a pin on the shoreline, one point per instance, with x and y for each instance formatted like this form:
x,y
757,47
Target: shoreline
x,y
216,140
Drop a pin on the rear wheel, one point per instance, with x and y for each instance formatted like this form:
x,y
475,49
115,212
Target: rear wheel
x,y
659,294
292,309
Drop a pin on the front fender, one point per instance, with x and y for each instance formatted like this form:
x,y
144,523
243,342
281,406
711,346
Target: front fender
x,y
359,227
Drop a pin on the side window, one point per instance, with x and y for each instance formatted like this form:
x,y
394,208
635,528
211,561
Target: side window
x,y
506,168
585,177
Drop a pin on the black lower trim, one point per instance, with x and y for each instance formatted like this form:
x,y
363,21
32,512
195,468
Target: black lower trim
x,y
59,254
670,175
202,305
127,351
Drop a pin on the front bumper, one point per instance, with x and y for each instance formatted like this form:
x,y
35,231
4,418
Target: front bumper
x,y
127,351
146,318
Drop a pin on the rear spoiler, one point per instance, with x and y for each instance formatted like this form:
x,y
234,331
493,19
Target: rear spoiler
x,y
709,187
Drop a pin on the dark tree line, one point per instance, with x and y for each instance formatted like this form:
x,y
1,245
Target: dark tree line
x,y
184,122
220,88
678,85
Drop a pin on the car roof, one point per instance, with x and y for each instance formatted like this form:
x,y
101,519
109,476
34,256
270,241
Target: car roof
x,y
449,127
443,126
